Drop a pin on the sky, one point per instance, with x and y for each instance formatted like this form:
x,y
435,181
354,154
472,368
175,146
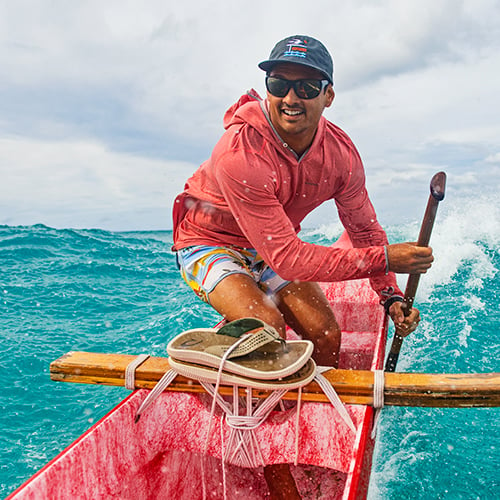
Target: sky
x,y
107,107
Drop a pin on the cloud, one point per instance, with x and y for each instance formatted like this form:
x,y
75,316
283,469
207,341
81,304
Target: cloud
x,y
145,85
397,37
83,184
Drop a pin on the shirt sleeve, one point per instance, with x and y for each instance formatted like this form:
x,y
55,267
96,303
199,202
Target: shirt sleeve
x,y
250,192
358,216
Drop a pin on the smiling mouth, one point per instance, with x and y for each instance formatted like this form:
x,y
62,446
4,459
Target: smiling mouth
x,y
292,112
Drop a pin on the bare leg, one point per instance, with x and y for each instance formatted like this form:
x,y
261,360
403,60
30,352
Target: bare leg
x,y
238,296
280,482
302,305
308,312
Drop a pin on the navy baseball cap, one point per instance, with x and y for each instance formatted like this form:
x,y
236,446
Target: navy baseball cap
x,y
304,50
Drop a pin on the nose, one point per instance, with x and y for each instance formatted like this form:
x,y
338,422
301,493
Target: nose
x,y
291,97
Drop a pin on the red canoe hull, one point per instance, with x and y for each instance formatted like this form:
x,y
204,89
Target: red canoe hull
x,y
162,456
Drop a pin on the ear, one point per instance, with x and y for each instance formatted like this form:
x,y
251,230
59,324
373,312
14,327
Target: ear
x,y
329,95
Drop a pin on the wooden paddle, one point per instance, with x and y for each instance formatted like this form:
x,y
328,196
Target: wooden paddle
x,y
437,187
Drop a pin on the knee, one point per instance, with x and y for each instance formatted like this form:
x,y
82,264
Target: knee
x,y
325,335
268,312
269,315
322,326
276,320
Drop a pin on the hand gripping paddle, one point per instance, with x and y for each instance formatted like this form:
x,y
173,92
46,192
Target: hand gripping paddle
x,y
438,183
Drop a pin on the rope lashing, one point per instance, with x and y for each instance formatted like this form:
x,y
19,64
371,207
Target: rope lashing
x,y
242,448
378,397
131,368
334,398
162,384
378,388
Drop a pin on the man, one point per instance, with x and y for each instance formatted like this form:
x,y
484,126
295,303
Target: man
x,y
236,223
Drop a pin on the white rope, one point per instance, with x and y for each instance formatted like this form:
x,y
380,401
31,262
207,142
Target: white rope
x,y
217,384
378,388
163,383
130,370
242,448
334,398
297,425
224,478
378,397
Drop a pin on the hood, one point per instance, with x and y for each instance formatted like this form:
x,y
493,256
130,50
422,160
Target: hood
x,y
234,114
250,110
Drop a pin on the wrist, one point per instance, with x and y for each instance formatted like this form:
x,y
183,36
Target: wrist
x,y
393,298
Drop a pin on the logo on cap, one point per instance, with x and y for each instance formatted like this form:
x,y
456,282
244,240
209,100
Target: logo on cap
x,y
296,47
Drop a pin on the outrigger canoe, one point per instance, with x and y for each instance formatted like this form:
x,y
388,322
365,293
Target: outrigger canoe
x,y
170,453
161,456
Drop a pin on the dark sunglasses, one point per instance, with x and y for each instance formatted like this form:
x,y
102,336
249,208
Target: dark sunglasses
x,y
305,89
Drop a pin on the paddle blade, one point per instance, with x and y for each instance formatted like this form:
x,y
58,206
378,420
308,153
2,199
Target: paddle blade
x,y
438,185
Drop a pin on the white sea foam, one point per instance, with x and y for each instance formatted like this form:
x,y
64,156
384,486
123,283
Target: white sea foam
x,y
465,232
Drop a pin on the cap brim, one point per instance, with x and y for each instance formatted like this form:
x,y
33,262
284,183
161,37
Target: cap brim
x,y
270,63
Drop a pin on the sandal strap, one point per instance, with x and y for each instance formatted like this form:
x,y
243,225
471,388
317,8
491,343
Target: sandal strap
x,y
239,327
253,341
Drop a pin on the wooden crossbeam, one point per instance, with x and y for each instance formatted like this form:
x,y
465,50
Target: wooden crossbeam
x,y
445,390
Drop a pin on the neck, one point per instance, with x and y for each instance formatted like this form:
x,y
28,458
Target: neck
x,y
298,143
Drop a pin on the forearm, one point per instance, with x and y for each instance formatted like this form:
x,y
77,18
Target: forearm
x,y
385,285
294,259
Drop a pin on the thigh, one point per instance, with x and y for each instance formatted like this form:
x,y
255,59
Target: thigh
x,y
238,296
202,267
307,310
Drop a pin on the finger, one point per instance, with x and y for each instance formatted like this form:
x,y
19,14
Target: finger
x,y
421,266
413,317
404,329
409,324
396,313
424,251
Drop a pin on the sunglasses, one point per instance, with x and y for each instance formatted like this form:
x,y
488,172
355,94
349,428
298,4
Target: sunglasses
x,y
305,89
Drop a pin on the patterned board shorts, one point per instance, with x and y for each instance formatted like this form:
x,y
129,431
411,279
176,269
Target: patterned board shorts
x,y
203,267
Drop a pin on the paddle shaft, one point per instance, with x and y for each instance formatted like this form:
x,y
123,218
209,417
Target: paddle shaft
x,y
437,188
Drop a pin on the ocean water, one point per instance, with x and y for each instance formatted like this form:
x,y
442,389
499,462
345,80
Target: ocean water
x,y
93,290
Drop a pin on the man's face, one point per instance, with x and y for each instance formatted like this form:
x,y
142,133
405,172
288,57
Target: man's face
x,y
296,119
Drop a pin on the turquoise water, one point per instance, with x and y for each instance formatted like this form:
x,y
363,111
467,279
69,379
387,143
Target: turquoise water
x,y
94,290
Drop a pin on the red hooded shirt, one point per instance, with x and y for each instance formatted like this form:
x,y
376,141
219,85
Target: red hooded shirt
x,y
254,192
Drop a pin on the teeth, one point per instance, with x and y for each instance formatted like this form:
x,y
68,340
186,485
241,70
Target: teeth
x,y
290,112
